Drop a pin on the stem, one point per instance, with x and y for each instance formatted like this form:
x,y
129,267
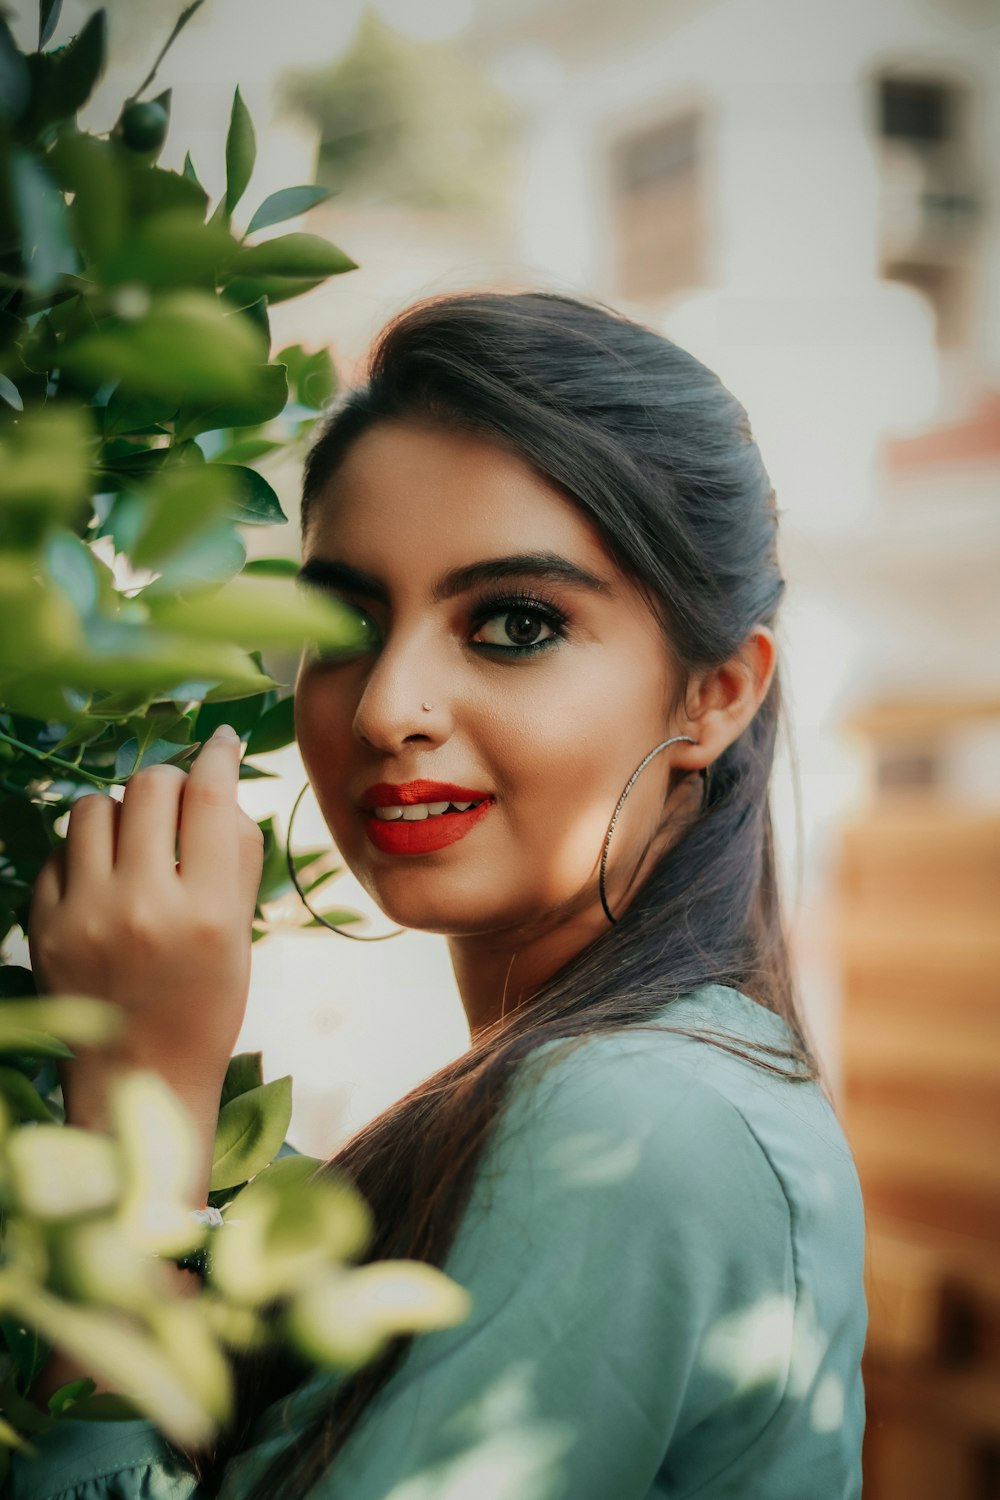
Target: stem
x,y
179,25
55,760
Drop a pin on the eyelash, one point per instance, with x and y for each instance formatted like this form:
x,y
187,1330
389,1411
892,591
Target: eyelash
x,y
491,606
529,604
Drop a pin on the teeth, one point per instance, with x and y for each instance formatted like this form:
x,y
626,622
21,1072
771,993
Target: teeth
x,y
416,812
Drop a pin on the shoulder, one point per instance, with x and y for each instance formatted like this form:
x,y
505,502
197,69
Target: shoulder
x,y
692,1101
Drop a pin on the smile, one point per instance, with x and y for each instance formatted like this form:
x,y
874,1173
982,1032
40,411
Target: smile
x,y
421,816
416,812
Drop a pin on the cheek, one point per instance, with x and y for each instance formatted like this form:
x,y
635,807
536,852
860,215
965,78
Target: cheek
x,y
568,751
323,733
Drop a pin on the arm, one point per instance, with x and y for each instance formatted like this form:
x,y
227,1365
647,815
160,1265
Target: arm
x,y
148,905
624,1218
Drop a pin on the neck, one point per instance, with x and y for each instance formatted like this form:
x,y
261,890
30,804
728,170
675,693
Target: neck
x,y
498,973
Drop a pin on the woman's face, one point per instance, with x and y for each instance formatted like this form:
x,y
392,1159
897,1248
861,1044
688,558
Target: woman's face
x,y
495,602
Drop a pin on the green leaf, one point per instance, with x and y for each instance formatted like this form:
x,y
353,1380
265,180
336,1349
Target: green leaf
x,y
345,1316
256,312
292,255
90,169
68,1395
129,758
180,504
244,1073
260,612
274,729
188,170
247,450
30,1355
106,1406
60,1171
127,413
241,291
57,1018
118,1350
317,379
48,20
15,78
25,1101
256,503
186,347
242,715
10,393
155,190
121,655
170,249
287,203
287,1228
250,1131
241,152
267,400
45,462
80,65
71,568
214,556
272,567
46,249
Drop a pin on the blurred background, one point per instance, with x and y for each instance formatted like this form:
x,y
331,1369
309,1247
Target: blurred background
x,y
804,194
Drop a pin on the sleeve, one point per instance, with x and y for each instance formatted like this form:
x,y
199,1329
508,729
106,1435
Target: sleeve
x,y
80,1460
624,1224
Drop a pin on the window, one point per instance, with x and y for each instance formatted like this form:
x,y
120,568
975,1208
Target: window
x,y
659,210
929,200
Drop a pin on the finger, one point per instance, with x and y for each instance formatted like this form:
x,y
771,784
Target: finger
x,y
147,829
251,847
90,841
209,826
46,895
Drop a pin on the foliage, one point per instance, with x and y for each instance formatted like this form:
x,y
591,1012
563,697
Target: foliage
x,y
137,395
408,121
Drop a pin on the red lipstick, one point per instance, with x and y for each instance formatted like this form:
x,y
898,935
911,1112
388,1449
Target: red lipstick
x,y
437,831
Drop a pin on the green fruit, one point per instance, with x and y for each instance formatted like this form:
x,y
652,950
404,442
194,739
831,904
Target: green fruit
x,y
144,126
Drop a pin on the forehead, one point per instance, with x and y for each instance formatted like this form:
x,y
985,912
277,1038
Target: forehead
x,y
405,490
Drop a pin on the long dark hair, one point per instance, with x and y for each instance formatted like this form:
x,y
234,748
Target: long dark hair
x,y
658,453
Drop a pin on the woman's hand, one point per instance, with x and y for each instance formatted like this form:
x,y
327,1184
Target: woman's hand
x,y
118,915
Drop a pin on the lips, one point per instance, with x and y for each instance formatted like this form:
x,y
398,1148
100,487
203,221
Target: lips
x,y
437,831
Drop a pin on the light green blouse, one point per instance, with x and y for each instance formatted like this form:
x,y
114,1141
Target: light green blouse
x,y
665,1250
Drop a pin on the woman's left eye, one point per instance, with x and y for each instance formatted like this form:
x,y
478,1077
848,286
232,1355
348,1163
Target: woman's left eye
x,y
516,629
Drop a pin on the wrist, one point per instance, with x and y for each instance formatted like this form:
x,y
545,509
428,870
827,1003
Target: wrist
x,y
87,1085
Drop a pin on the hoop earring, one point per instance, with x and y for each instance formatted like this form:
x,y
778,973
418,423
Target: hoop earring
x,y
621,803
355,937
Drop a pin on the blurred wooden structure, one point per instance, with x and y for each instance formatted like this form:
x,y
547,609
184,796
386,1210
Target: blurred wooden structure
x,y
919,943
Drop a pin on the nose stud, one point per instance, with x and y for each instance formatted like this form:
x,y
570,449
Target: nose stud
x,y
426,707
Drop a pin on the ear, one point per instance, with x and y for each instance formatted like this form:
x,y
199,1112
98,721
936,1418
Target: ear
x,y
721,701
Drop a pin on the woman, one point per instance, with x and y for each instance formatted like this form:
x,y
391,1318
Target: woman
x,y
561,534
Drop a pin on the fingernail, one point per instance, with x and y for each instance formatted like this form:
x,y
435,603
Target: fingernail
x,y
226,732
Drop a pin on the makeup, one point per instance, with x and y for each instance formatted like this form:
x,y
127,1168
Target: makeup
x,y
419,817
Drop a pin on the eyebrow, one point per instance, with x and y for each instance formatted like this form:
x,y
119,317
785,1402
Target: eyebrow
x,y
547,567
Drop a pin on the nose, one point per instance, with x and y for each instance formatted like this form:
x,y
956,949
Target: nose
x,y
403,701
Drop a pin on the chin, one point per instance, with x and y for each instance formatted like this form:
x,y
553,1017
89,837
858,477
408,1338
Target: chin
x,y
454,913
